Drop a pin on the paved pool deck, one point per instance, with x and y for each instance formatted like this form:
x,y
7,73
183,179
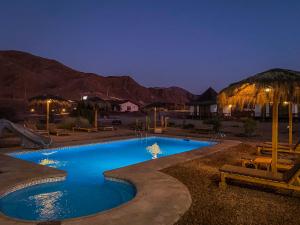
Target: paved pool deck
x,y
161,199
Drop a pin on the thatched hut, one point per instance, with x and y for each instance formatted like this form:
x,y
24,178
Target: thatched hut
x,y
205,105
48,100
273,87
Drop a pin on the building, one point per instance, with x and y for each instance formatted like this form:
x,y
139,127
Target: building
x,y
205,105
260,112
124,106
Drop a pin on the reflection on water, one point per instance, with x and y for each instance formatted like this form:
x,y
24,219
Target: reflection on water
x,y
49,153
46,162
47,204
52,163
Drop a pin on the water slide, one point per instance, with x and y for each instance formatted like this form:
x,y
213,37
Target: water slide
x,y
29,139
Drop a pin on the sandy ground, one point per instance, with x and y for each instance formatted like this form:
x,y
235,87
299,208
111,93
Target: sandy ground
x,y
238,204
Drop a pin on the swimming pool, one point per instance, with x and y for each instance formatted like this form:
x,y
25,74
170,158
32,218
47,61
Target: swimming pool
x,y
85,190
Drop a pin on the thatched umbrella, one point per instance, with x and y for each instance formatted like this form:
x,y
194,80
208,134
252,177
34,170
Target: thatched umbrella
x,y
96,103
273,86
48,99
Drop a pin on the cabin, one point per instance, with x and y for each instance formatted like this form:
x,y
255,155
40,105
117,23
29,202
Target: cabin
x,y
205,105
124,106
259,112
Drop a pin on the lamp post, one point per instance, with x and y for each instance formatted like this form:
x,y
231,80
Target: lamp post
x,y
48,110
290,125
154,118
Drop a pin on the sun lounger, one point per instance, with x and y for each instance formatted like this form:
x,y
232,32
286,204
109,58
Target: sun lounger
x,y
33,128
85,129
59,132
265,162
281,148
158,130
288,180
108,128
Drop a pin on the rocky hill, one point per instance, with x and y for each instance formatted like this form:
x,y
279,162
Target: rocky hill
x,y
23,75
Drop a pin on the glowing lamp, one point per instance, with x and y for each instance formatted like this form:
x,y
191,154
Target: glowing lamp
x,y
267,90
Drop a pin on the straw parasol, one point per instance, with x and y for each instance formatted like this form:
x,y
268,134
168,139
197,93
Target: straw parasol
x,y
96,103
48,99
274,86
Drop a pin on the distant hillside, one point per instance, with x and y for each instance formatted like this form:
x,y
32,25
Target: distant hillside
x,y
23,75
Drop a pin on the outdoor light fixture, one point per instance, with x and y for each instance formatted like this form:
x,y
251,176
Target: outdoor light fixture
x,y
267,90
285,103
63,110
84,97
32,110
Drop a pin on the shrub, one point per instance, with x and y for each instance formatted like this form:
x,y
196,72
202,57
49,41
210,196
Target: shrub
x,y
171,124
8,113
70,122
188,126
250,126
216,123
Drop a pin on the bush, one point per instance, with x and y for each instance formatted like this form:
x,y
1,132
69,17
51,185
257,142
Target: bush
x,y
250,126
216,123
84,112
188,126
70,122
8,113
171,124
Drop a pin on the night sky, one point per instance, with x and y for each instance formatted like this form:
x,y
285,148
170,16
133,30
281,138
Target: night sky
x,y
192,44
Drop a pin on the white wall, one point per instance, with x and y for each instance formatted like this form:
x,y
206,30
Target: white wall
x,y
257,110
213,108
295,109
128,107
192,108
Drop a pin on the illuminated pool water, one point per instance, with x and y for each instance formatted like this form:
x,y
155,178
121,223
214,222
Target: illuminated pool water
x,y
85,190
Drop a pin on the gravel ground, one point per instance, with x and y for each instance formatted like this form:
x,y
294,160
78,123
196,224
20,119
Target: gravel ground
x,y
238,204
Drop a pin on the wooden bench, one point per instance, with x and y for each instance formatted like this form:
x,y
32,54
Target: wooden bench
x,y
108,128
85,129
282,148
288,180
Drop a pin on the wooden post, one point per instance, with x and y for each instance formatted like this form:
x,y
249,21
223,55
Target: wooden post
x,y
274,133
154,118
290,125
166,122
162,121
96,118
47,119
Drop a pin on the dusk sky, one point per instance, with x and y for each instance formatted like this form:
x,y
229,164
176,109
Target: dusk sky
x,y
191,44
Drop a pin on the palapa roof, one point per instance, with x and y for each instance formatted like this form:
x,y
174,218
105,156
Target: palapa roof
x,y
96,102
42,99
262,87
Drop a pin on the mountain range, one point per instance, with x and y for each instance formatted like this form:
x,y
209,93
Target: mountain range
x,y
23,75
